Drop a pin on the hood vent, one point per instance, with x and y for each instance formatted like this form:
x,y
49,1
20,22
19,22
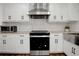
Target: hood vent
x,y
39,16
40,11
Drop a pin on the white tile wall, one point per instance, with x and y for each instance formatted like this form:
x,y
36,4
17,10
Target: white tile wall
x,y
74,26
39,24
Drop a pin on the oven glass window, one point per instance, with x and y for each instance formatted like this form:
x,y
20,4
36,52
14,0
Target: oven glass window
x,y
37,43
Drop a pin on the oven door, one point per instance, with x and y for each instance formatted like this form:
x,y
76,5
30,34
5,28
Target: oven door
x,y
39,43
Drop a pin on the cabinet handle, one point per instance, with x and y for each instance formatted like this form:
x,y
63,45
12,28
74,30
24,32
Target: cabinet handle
x,y
21,42
21,35
22,17
56,35
9,17
62,17
72,50
56,41
55,17
4,35
4,41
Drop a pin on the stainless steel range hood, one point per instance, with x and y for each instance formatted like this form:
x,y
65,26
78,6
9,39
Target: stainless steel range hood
x,y
40,11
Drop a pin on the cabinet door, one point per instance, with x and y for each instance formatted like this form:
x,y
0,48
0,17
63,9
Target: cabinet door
x,y
60,45
23,44
8,12
74,11
56,43
4,43
15,12
54,10
21,12
68,48
12,42
52,43
8,43
64,16
58,12
58,37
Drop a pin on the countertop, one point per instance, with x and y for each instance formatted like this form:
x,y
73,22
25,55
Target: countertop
x,y
71,37
25,32
63,32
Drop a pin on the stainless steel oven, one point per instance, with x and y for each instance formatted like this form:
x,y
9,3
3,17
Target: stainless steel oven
x,y
39,42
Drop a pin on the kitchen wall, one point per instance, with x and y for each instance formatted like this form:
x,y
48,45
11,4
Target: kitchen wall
x,y
74,26
38,24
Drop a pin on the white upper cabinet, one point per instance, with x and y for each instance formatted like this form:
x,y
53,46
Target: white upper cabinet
x,y
38,6
58,12
64,12
16,12
1,13
73,12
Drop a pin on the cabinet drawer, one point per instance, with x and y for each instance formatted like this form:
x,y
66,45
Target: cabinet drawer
x,y
4,35
57,34
22,35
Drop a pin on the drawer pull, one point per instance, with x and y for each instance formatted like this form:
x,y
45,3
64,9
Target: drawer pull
x,y
55,17
62,17
22,17
21,42
21,35
56,35
4,35
56,41
4,41
72,50
9,17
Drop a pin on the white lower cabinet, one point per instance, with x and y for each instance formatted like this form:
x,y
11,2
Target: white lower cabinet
x,y
71,49
23,44
67,48
14,43
4,43
56,42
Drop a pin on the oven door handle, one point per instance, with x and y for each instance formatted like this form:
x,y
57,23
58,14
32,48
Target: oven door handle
x,y
39,36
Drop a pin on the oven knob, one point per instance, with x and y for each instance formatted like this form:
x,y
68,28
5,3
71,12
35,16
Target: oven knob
x,y
39,47
45,45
